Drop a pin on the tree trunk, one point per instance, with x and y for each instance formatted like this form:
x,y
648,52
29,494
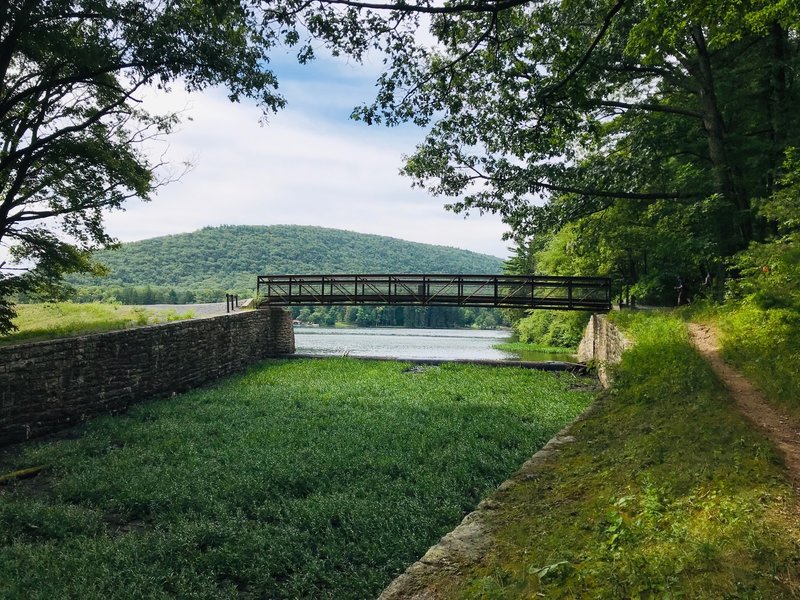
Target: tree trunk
x,y
737,231
777,98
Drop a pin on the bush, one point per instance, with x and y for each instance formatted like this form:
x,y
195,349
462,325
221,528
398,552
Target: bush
x,y
563,329
770,270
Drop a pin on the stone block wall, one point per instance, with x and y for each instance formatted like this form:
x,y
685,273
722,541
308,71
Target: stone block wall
x,y
603,343
47,386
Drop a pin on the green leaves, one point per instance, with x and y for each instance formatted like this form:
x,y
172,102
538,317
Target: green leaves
x,y
71,129
771,269
640,125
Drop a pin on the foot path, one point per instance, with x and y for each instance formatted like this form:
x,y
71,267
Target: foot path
x,y
778,427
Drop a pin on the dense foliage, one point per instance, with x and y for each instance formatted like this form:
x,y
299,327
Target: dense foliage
x,y
770,269
300,479
650,130
561,329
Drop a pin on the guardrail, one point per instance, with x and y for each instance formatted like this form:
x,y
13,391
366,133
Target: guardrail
x,y
231,302
501,291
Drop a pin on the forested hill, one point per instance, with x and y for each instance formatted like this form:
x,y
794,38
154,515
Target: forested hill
x,y
217,259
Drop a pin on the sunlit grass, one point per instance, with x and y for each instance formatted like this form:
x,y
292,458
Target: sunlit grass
x,y
522,347
299,479
64,319
763,343
667,492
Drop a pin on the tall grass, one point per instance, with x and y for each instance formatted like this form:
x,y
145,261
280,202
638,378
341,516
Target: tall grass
x,y
765,345
523,347
667,492
299,479
64,319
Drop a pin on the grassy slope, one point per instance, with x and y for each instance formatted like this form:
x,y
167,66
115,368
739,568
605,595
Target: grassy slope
x,y
765,346
63,319
299,479
667,492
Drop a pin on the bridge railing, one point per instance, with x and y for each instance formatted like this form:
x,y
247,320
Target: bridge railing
x,y
502,291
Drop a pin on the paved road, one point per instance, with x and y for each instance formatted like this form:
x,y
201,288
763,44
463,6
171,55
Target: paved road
x,y
211,309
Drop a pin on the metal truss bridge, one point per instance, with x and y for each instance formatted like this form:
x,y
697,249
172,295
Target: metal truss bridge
x,y
501,291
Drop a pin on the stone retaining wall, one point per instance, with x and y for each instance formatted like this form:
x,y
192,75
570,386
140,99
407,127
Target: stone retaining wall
x,y
47,386
602,344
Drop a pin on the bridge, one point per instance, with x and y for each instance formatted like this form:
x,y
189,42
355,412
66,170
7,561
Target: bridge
x,y
499,291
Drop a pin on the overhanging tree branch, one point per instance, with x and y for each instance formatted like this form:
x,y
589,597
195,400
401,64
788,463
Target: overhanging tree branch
x,y
462,57
536,185
566,189
488,7
649,106
588,54
95,117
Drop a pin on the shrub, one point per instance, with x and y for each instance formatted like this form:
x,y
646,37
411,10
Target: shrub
x,y
563,329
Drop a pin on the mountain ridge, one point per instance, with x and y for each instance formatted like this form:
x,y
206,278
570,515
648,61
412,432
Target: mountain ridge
x,y
229,257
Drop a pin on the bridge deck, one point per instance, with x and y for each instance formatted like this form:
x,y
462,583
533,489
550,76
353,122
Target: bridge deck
x,y
501,291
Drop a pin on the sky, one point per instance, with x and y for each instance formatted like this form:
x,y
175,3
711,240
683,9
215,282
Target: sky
x,y
309,165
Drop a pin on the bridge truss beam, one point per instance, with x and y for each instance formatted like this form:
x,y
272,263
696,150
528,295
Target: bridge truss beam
x,y
500,291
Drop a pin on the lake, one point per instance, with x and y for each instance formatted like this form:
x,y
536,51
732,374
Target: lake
x,y
392,342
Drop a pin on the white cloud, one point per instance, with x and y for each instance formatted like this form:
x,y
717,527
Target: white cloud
x,y
309,165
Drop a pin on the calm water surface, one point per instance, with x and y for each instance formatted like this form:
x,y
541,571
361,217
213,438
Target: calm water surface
x,y
442,344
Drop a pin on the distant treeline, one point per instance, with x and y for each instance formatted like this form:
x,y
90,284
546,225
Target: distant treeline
x,y
362,316
148,294
402,316
205,265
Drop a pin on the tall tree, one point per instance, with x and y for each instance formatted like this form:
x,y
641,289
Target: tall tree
x,y
548,113
71,122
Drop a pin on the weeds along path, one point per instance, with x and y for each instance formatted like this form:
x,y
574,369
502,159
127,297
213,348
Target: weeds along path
x,y
783,430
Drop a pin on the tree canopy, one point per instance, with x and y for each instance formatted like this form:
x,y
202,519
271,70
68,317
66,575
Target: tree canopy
x,y
651,129
72,128
635,138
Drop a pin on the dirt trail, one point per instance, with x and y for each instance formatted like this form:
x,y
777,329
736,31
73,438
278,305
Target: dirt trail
x,y
780,428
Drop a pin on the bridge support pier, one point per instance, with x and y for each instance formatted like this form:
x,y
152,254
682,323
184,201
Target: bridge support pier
x,y
279,332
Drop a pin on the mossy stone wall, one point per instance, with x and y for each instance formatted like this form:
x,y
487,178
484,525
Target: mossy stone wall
x,y
602,344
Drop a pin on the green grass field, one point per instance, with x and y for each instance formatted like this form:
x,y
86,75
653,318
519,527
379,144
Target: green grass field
x,y
298,479
63,319
524,348
667,492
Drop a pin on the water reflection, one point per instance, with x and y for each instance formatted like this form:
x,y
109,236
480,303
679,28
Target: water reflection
x,y
441,344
